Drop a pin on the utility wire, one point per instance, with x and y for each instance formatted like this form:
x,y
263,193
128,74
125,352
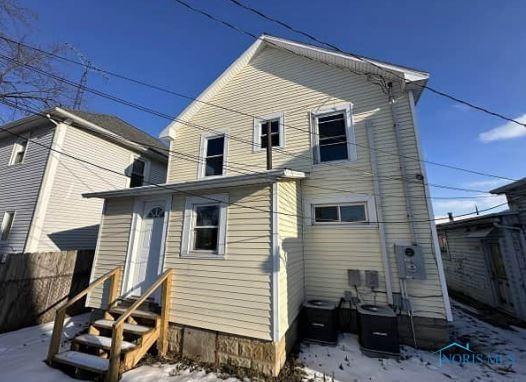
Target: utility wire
x,y
251,143
173,189
362,59
178,94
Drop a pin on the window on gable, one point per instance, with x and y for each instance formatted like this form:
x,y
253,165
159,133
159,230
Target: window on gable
x,y
19,151
7,224
276,131
137,173
214,156
341,213
334,136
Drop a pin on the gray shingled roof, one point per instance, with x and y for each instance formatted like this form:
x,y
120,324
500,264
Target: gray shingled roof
x,y
121,128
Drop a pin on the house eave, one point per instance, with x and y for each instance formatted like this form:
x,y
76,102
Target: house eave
x,y
266,177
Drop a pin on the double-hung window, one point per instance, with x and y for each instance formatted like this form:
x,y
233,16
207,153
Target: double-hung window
x,y
340,213
19,151
261,126
214,156
7,224
334,135
204,226
138,170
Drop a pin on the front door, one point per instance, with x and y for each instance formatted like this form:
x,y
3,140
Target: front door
x,y
500,277
147,265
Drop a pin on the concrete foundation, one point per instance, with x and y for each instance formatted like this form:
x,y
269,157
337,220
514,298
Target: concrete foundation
x,y
267,357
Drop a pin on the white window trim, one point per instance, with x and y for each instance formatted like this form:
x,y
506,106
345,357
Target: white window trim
x,y
349,130
15,149
364,203
147,165
257,130
189,224
201,164
4,225
331,200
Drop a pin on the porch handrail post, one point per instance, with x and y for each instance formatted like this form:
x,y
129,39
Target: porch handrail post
x,y
114,287
115,352
162,343
60,315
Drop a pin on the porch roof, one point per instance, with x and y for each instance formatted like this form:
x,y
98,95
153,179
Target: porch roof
x,y
263,177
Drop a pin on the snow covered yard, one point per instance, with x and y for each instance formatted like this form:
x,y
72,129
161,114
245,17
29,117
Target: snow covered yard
x,y
22,353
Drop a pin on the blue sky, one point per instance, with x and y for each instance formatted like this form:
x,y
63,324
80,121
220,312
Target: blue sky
x,y
473,49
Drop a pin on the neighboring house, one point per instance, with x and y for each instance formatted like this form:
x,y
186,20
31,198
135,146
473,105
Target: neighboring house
x,y
485,256
248,249
42,182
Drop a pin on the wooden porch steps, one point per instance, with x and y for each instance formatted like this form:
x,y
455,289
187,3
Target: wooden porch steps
x,y
117,342
101,342
83,361
135,329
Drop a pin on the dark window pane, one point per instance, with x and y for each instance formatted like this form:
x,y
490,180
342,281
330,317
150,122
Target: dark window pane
x,y
331,126
215,146
274,132
352,213
326,214
138,167
205,239
333,152
214,166
207,215
136,181
7,224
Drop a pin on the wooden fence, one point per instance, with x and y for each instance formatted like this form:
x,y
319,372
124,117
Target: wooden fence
x,y
34,285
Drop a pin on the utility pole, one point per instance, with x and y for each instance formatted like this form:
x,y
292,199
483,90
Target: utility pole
x,y
269,146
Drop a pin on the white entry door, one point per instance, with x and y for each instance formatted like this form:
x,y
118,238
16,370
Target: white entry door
x,y
147,257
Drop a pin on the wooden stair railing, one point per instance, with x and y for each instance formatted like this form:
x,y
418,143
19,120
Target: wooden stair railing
x,y
114,368
115,275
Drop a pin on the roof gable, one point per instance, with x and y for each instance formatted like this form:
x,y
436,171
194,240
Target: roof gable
x,y
327,56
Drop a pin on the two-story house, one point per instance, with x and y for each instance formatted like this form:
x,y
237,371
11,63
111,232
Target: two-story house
x,y
248,245
46,164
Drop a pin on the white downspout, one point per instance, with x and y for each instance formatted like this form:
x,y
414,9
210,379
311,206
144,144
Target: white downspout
x,y
379,212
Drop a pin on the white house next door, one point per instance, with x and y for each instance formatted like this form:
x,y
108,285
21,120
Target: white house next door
x,y
147,265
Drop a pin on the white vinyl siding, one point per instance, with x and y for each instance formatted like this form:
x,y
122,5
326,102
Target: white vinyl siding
x,y
230,294
20,184
72,178
276,80
291,267
112,246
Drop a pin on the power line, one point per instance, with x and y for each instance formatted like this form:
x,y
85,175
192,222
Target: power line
x,y
178,94
175,189
365,60
251,143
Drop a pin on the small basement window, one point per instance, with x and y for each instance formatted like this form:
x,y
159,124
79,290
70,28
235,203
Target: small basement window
x,y
19,151
137,173
334,136
214,150
7,224
341,213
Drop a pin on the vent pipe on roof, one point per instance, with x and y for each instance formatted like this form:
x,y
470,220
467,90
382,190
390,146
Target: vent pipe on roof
x,y
450,216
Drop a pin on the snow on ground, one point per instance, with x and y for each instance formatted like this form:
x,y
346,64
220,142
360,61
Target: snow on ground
x,y
22,353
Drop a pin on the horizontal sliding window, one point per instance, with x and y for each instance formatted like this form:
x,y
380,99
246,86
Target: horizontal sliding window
x,y
341,213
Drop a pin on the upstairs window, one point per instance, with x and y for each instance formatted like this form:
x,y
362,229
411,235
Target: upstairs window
x,y
334,136
341,213
137,173
276,131
214,156
7,224
19,151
